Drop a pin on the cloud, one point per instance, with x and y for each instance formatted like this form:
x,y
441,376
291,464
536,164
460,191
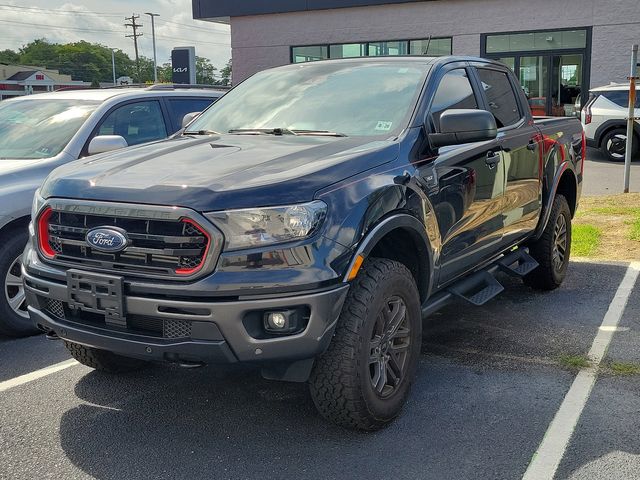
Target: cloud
x,y
102,21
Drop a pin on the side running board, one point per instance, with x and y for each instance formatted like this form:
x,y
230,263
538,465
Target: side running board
x,y
518,263
480,287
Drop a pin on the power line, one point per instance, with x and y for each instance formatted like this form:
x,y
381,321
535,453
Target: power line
x,y
62,12
99,30
194,27
81,29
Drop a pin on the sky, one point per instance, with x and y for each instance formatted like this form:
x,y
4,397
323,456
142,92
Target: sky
x,y
102,21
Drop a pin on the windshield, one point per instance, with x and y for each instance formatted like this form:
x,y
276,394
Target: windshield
x,y
31,129
346,98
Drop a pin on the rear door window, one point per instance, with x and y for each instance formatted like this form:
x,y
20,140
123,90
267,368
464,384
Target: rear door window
x,y
501,98
136,122
179,107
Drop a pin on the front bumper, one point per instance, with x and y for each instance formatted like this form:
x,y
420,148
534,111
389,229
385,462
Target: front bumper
x,y
218,330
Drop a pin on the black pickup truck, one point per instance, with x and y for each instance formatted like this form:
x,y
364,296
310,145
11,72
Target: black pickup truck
x,y
308,222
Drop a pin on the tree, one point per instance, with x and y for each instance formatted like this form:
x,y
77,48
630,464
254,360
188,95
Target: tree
x,y
9,56
225,74
205,72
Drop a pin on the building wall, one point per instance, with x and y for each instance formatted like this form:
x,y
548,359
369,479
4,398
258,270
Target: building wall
x,y
262,41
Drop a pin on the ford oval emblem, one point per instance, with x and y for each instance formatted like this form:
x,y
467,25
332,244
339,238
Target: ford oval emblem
x,y
107,239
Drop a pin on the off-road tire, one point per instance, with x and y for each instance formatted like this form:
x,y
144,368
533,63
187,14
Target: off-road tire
x,y
103,360
341,382
12,324
547,276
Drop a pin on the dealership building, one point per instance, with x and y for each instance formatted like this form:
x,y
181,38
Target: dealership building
x,y
558,49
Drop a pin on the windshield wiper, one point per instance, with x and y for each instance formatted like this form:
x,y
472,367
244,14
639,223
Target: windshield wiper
x,y
202,132
262,131
321,133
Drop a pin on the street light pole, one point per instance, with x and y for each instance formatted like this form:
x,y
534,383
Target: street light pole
x,y
153,39
113,65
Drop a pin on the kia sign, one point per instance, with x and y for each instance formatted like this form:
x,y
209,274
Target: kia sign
x,y
183,63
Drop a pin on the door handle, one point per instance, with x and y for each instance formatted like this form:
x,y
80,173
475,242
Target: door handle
x,y
492,159
532,145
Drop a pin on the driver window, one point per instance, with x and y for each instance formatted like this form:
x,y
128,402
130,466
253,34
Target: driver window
x,y
137,123
454,91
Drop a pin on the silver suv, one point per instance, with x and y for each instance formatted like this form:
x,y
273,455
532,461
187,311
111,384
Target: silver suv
x,y
604,120
41,132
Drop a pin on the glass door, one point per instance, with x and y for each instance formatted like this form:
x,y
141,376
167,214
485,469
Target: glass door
x,y
533,72
566,85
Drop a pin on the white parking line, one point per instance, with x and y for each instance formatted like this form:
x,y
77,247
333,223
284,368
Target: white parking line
x,y
547,458
30,377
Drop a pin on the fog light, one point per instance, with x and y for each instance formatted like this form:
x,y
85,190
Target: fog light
x,y
277,320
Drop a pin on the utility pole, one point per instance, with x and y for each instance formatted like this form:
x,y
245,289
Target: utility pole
x,y
633,76
135,36
153,37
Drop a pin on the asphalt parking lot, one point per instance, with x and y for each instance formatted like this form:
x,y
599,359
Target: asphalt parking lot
x,y
489,384
603,177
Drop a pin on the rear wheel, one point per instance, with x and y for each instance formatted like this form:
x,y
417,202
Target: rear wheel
x,y
14,318
363,379
614,145
553,249
103,360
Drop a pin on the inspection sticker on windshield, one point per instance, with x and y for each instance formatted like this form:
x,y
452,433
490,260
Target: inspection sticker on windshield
x,y
384,126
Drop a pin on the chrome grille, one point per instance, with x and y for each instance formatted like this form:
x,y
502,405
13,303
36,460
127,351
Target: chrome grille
x,y
160,247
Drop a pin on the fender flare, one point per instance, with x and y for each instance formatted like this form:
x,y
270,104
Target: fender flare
x,y
388,224
548,204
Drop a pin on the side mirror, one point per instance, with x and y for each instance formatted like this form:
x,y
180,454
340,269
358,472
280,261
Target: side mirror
x,y
106,143
458,126
189,117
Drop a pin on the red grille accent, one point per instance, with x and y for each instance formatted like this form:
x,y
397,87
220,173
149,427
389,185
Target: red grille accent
x,y
192,270
43,233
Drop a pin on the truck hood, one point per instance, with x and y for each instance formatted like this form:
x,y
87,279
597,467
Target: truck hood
x,y
220,172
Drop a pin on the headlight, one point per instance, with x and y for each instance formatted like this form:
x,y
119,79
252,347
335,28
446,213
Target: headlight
x,y
256,227
37,204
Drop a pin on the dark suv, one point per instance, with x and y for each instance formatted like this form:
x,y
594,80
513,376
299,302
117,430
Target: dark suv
x,y
308,221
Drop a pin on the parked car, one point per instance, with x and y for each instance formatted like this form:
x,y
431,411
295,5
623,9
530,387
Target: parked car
x,y
41,132
604,119
320,212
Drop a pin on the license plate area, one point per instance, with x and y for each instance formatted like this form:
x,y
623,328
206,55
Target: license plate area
x,y
97,293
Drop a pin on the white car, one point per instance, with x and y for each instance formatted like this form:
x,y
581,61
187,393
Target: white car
x,y
41,132
604,120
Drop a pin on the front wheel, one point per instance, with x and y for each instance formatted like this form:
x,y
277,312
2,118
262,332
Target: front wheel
x,y
552,249
14,318
363,379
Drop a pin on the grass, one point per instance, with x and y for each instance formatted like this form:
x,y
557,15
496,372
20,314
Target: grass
x,y
608,227
634,231
624,368
574,362
585,240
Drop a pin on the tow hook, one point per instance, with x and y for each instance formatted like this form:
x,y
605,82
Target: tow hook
x,y
186,364
51,335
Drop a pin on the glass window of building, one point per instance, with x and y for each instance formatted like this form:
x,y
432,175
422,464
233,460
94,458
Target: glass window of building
x,y
526,42
378,49
348,50
434,47
310,53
